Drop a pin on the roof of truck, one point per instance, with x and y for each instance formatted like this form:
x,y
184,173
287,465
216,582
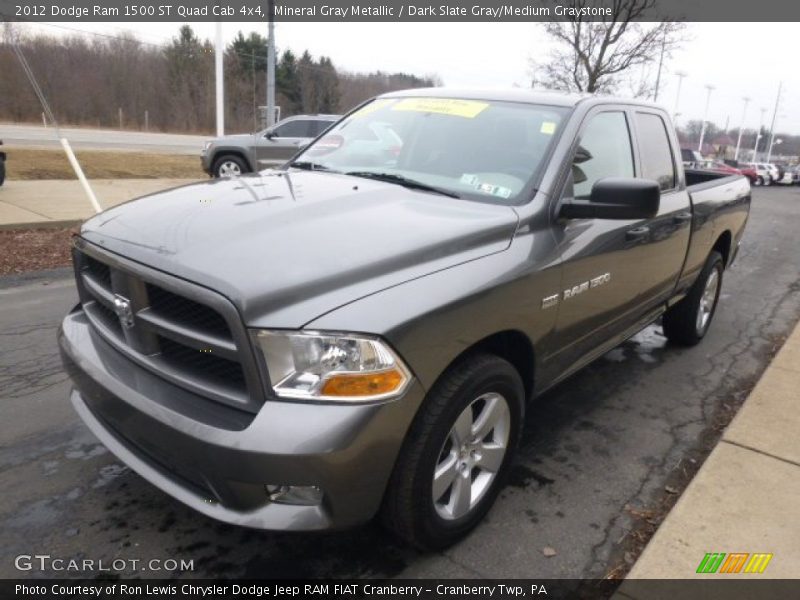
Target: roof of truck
x,y
553,98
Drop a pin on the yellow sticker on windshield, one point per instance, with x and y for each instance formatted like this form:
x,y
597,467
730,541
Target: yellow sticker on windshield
x,y
548,128
468,109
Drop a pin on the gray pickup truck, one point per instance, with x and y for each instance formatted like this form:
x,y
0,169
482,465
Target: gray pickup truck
x,y
362,331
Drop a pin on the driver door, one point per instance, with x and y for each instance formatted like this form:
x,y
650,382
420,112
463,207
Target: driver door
x,y
283,141
604,261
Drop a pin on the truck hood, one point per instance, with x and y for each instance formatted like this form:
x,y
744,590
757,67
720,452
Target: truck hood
x,y
288,247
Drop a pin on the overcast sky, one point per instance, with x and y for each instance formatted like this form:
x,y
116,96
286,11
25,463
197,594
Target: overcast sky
x,y
739,59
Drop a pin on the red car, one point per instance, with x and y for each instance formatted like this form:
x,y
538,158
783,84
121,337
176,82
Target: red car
x,y
721,167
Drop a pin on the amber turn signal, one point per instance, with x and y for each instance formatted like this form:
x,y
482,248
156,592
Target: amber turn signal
x,y
363,384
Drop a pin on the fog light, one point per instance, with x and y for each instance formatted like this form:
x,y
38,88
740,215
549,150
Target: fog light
x,y
302,495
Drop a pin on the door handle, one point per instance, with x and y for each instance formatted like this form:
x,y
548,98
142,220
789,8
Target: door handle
x,y
637,234
682,217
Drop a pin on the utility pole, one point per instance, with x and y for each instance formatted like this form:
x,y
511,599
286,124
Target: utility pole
x,y
271,64
219,73
741,128
772,126
660,64
680,75
710,89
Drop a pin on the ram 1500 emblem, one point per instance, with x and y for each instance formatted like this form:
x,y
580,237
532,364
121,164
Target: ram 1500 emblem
x,y
575,290
122,307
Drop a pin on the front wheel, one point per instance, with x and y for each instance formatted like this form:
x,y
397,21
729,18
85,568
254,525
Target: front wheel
x,y
687,322
454,459
229,166
759,181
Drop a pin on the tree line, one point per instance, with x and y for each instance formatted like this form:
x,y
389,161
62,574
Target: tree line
x,y
121,81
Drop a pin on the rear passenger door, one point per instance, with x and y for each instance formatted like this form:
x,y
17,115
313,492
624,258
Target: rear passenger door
x,y
667,241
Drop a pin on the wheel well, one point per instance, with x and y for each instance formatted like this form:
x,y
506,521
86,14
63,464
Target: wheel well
x,y
723,246
513,346
238,154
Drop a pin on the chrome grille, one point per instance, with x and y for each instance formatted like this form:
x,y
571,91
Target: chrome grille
x,y
184,333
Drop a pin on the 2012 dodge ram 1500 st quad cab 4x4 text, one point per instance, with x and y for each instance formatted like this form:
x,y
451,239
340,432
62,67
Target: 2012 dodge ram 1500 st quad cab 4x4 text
x,y
361,331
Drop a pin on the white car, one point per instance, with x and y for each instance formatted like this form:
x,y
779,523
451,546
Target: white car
x,y
767,174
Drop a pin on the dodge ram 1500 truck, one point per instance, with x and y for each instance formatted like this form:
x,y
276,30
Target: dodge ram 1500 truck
x,y
361,331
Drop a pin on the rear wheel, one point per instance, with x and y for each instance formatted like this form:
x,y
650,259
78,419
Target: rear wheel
x,y
229,165
456,454
687,322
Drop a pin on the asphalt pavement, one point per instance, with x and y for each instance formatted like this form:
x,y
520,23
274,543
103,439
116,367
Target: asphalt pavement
x,y
103,139
599,448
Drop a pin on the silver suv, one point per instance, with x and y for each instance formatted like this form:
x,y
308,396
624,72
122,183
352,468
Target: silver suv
x,y
232,155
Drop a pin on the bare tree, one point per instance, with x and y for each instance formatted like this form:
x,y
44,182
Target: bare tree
x,y
609,55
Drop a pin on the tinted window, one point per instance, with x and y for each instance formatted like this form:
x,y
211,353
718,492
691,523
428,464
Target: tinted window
x,y
604,151
655,150
294,129
318,127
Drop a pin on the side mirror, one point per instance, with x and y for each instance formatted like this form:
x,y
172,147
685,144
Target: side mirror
x,y
617,198
270,134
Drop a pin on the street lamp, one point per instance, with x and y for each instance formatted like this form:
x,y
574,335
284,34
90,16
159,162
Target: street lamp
x,y
680,75
758,135
741,128
710,89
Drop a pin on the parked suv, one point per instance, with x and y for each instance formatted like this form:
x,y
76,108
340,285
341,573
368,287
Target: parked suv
x,y
362,331
232,155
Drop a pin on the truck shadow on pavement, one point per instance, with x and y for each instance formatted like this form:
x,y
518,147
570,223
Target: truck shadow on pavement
x,y
110,512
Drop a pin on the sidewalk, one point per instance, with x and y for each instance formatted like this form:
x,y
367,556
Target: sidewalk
x,y
62,203
746,496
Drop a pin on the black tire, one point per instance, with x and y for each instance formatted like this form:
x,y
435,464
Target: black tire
x,y
410,509
682,321
2,171
222,162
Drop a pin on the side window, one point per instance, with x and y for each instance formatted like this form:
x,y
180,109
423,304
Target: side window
x,y
605,150
294,129
318,127
656,154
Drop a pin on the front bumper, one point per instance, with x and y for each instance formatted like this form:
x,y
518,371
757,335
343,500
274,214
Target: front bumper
x,y
218,460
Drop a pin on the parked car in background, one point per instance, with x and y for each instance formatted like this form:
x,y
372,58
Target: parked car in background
x,y
232,155
765,175
2,165
790,176
691,158
721,167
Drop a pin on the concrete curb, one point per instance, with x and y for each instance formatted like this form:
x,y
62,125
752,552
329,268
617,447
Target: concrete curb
x,y
41,225
744,497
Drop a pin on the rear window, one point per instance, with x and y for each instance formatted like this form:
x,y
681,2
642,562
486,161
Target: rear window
x,y
655,150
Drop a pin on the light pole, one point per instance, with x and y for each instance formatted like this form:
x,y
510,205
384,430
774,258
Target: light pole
x,y
741,128
710,89
219,52
758,135
271,64
774,116
680,75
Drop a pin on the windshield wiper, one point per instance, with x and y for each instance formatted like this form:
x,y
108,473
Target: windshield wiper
x,y
404,181
311,166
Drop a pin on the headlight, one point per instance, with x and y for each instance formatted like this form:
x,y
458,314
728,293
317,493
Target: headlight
x,y
334,367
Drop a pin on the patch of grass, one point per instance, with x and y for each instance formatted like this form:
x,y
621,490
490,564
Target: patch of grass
x,y
46,163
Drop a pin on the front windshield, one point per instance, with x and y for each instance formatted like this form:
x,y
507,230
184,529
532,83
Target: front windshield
x,y
481,150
